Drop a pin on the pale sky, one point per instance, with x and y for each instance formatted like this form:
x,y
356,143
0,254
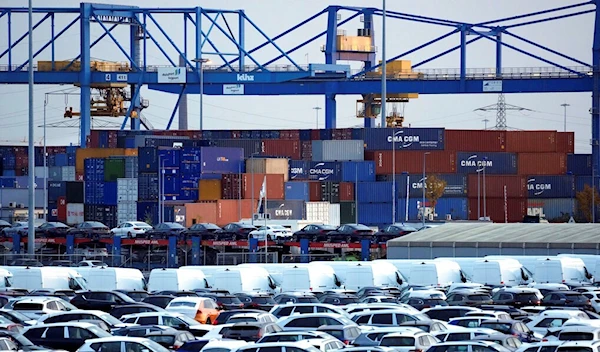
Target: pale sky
x,y
570,36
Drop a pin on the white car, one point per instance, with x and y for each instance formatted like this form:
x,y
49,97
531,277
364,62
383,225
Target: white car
x,y
91,252
409,341
92,263
594,297
121,343
271,232
131,229
326,344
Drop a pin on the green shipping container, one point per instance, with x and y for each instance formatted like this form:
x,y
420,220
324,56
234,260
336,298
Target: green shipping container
x,y
114,169
347,212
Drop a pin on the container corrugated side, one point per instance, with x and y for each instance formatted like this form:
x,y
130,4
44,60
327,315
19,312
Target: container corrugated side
x,y
516,209
494,163
281,148
317,211
358,171
375,213
127,189
222,160
476,140
579,164
85,153
531,141
203,212
297,190
553,209
268,166
286,209
560,186
516,186
404,138
456,208
325,171
348,212
542,164
338,150
443,162
250,146
456,184
565,142
582,181
298,170
374,192
274,186
209,190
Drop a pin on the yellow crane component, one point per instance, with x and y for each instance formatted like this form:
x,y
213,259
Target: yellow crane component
x,y
98,65
106,102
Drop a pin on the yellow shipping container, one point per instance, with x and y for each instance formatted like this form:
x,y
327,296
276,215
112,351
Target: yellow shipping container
x,y
46,66
279,166
209,190
398,66
354,44
88,153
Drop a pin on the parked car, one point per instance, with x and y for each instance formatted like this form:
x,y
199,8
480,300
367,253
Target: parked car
x,y
250,332
344,333
25,262
131,229
226,314
338,299
92,263
121,343
81,315
516,297
567,298
295,297
511,327
172,319
101,300
202,309
19,227
350,233
91,229
139,307
87,251
271,232
137,296
52,229
468,298
140,330
206,230
161,301
171,339
510,342
313,232
225,302
65,336
234,231
393,231
4,225
256,300
165,229
252,318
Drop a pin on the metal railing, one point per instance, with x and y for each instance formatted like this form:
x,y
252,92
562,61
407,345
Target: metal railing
x,y
306,258
246,257
60,259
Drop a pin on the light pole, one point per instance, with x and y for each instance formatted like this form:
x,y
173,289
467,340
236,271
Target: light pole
x,y
383,69
31,152
317,108
484,199
404,173
424,179
478,195
565,105
45,163
201,63
394,174
252,183
485,121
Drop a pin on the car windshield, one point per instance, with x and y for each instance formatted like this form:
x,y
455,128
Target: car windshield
x,y
362,228
188,320
166,339
18,315
242,319
574,349
28,306
479,297
110,319
526,297
277,227
398,341
140,224
229,300
182,304
576,297
263,300
153,346
348,300
503,328
95,224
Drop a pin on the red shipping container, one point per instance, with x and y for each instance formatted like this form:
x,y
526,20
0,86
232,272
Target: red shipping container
x,y
315,191
21,162
315,135
277,147
61,208
475,140
275,186
531,141
565,142
443,162
79,177
306,152
341,134
516,186
516,208
542,164
346,191
228,211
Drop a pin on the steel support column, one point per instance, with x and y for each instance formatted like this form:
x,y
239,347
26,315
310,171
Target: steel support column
x,y
330,110
85,75
331,40
135,52
368,25
463,58
241,40
499,54
596,96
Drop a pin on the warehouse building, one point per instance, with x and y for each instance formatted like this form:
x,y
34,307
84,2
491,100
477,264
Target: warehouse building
x,y
481,239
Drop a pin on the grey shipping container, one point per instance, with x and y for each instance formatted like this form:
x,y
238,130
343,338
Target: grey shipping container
x,y
20,196
338,150
286,209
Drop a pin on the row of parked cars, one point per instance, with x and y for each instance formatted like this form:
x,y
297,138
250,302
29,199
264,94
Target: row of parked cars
x,y
372,319
233,231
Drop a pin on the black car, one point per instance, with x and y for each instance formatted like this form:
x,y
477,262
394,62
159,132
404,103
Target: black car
x,y
468,298
140,330
19,227
55,336
256,300
422,303
91,229
567,298
101,300
393,231
225,302
250,332
511,327
161,301
226,314
206,230
66,295
21,341
176,293
165,229
284,298
338,299
25,262
370,291
139,307
171,339
350,233
234,231
313,232
52,229
137,296
516,297
65,263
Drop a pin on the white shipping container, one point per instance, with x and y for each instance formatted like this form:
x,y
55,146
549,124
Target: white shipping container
x,y
74,213
126,211
127,190
338,150
334,215
68,173
318,211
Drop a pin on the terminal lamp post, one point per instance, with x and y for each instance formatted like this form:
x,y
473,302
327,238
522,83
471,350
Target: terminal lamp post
x,y
202,62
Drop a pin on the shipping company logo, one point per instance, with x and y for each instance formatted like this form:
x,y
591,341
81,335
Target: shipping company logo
x,y
320,171
222,159
404,140
244,77
537,188
280,212
473,162
296,171
419,184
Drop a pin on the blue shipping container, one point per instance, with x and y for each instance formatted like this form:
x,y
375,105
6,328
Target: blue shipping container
x,y
298,169
147,187
456,184
579,164
550,186
286,209
358,171
494,163
374,213
9,173
250,146
61,159
404,138
148,212
57,189
169,158
222,160
582,181
188,194
172,184
457,208
297,190
8,182
147,159
553,208
110,193
325,171
374,192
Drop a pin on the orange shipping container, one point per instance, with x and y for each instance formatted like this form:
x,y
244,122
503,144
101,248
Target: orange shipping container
x,y
196,213
542,164
516,186
209,190
475,140
565,142
234,210
443,162
87,153
275,186
531,141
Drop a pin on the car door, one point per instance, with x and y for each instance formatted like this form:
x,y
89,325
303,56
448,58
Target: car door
x,y
55,338
78,336
103,301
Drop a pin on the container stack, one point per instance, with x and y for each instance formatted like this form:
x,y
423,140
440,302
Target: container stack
x,y
66,201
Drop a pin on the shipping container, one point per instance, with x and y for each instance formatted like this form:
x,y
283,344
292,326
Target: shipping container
x,y
55,173
56,189
476,140
68,173
493,163
306,151
279,166
94,169
74,213
315,192
203,212
347,191
249,146
169,158
412,162
127,190
579,164
171,184
374,192
298,170
222,160
403,138
330,192
147,159
565,142
126,211
375,213
531,141
348,212
148,213
456,184
231,186
234,210
339,150
286,209
323,212
516,209
274,186
325,171
74,191
86,153
61,207
516,186
445,209
551,186
109,196
114,169
358,171
209,189
553,209
281,148
147,187
297,190
542,164
582,181
341,133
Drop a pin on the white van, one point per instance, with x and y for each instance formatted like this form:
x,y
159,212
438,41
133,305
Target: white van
x,y
242,279
591,261
387,275
206,271
175,279
105,278
276,271
356,275
6,278
562,270
466,264
309,278
58,278
434,273
500,272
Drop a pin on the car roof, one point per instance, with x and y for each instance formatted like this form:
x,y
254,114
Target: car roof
x,y
191,299
117,339
382,311
579,343
580,328
406,333
73,323
151,314
38,299
458,343
76,311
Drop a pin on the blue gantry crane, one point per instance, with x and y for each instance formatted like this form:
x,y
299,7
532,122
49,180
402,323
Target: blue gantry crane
x,y
237,69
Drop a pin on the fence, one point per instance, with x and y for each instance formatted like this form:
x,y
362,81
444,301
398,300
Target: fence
x,y
246,257
305,258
